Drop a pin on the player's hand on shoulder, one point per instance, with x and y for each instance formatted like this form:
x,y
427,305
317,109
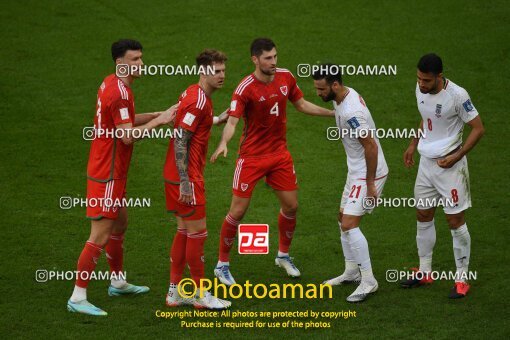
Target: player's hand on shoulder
x,y
221,149
221,119
168,116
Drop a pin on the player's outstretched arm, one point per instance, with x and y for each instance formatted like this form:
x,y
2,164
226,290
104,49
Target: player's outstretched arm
x,y
181,146
477,131
128,137
409,153
228,133
221,119
144,118
371,154
305,106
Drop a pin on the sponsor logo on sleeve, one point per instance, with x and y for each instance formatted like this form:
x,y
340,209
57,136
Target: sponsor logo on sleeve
x,y
468,106
353,123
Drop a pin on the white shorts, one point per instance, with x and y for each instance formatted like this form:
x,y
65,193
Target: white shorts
x,y
448,188
354,200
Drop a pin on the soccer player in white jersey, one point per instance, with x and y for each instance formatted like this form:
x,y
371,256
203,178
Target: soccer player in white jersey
x,y
367,173
443,177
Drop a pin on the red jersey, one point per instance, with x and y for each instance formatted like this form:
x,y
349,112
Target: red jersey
x,y
263,108
109,157
195,114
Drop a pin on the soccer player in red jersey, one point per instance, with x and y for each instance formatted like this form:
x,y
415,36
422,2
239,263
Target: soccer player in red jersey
x,y
261,100
107,174
184,181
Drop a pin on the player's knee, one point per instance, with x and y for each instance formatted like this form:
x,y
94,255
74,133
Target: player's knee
x,y
455,221
237,213
290,209
120,226
424,215
100,239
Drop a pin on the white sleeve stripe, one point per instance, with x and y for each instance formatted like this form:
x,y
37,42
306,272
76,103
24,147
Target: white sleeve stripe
x,y
123,91
202,100
241,90
243,86
242,83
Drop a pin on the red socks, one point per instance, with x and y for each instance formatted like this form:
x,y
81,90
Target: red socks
x,y
195,255
178,256
87,263
286,226
227,236
115,253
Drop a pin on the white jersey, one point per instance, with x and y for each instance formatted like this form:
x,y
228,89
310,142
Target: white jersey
x,y
444,115
352,115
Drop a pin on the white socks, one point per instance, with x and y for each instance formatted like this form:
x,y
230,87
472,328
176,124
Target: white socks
x,y
118,283
221,264
359,250
425,240
280,254
461,251
351,267
79,294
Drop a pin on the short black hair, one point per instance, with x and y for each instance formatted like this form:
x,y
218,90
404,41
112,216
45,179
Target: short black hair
x,y
327,71
430,63
259,45
120,47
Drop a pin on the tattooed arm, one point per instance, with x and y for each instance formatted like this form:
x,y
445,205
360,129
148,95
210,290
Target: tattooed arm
x,y
181,145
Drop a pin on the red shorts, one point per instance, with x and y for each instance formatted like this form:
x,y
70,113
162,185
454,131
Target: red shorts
x,y
278,170
103,198
193,211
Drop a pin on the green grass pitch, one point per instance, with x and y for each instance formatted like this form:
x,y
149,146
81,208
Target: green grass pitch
x,y
54,56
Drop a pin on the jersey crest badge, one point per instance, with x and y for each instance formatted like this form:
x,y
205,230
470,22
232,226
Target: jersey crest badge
x,y
438,110
284,89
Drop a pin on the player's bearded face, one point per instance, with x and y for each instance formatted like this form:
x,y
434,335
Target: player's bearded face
x,y
324,90
267,62
428,82
330,95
